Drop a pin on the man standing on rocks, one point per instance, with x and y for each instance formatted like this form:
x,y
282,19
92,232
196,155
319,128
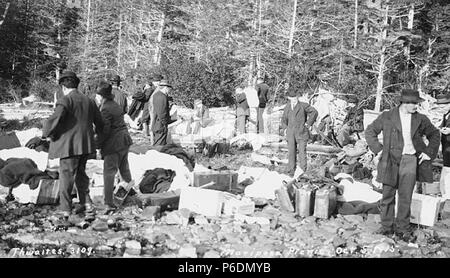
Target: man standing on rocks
x,y
119,95
70,129
405,158
114,142
148,91
297,119
263,94
160,113
242,111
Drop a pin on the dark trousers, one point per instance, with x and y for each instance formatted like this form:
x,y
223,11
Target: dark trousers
x,y
406,183
294,146
160,137
73,170
112,163
260,121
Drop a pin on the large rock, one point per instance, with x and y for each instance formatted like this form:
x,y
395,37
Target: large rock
x,y
100,226
354,219
133,247
211,254
151,213
187,251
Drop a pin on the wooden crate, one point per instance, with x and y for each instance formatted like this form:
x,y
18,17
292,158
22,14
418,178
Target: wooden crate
x,y
219,180
203,201
431,188
425,209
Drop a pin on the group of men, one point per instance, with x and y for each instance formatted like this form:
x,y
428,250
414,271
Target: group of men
x,y
243,108
81,125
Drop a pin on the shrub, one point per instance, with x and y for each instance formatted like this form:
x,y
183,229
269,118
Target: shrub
x,y
43,89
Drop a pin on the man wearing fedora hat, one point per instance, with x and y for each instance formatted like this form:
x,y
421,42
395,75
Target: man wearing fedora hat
x,y
71,131
405,159
298,117
119,95
443,102
160,113
114,142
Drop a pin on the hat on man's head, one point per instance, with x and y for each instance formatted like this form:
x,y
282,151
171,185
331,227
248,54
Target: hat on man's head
x,y
410,95
68,74
292,93
115,78
443,98
352,99
104,89
156,78
164,83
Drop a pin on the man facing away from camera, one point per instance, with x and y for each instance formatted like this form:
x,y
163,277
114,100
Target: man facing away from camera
x,y
404,158
119,96
114,142
71,131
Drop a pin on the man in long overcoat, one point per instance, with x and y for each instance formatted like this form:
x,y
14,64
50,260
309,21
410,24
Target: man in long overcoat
x,y
71,131
114,142
405,159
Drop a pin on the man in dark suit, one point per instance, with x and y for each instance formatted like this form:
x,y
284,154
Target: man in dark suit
x,y
114,142
405,159
443,102
70,129
297,119
149,89
263,94
119,96
161,113
242,111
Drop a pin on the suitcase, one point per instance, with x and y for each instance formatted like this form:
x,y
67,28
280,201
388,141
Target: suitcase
x,y
304,200
48,192
432,188
219,180
325,202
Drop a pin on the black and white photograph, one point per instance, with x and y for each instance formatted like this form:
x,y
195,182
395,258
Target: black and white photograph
x,y
224,134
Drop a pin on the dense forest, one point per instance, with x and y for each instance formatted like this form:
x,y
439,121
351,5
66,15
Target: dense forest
x,y
206,48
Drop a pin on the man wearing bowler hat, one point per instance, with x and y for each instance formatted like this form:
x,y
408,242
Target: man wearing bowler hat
x,y
119,95
71,131
404,159
443,102
297,119
160,113
114,142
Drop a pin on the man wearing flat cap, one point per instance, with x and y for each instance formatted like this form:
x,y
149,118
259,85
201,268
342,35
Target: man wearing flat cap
x,y
71,131
297,119
443,102
404,159
114,142
119,95
160,113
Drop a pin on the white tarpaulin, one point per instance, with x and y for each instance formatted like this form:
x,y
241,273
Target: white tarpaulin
x,y
139,163
356,191
265,182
